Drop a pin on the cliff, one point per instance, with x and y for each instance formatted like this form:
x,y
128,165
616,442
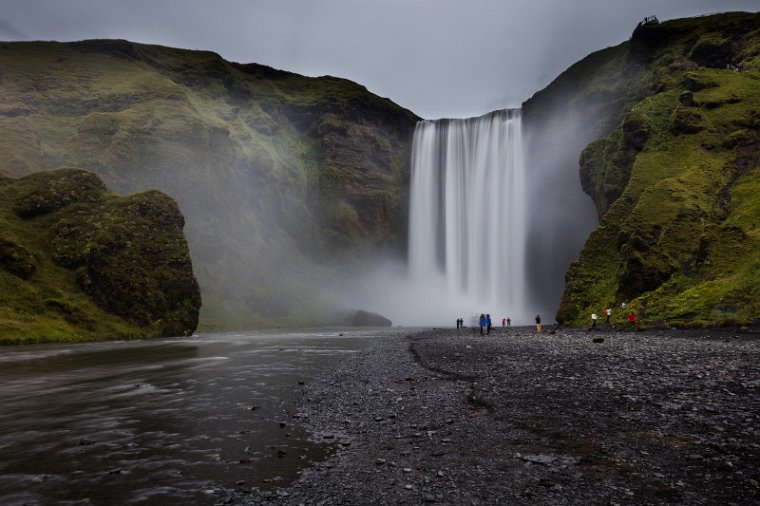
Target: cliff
x,y
289,184
672,170
78,262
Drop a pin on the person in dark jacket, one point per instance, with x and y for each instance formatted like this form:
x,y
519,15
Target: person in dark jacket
x,y
538,323
483,323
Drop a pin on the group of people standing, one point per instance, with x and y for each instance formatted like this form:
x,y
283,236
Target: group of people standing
x,y
608,314
486,325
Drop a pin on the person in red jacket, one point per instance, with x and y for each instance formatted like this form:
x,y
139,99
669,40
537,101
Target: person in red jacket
x,y
632,320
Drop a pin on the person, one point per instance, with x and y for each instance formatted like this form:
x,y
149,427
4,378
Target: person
x,y
488,324
482,323
509,322
623,306
458,324
632,319
593,321
607,314
538,323
503,322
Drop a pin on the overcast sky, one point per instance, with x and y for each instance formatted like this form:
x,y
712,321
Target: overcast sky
x,y
439,58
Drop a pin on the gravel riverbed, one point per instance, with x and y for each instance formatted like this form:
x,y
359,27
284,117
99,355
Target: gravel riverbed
x,y
566,417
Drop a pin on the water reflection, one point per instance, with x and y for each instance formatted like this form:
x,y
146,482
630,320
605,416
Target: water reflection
x,y
158,422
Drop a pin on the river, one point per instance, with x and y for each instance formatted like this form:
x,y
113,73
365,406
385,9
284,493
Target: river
x,y
168,421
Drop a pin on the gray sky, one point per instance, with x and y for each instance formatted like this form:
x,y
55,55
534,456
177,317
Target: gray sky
x,y
439,58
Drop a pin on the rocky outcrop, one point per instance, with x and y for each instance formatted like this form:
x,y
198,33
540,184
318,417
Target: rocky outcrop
x,y
369,319
673,165
91,265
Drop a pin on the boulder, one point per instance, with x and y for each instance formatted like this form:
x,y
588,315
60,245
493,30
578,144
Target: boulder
x,y
369,319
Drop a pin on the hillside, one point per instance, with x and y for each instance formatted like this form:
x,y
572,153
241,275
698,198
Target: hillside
x,y
289,184
80,263
674,173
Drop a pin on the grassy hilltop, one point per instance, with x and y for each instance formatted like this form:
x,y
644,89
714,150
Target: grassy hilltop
x,y
78,262
288,184
674,173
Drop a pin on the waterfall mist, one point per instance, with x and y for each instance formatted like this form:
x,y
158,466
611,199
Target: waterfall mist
x,y
496,216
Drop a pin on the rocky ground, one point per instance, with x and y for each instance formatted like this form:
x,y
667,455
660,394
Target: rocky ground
x,y
570,417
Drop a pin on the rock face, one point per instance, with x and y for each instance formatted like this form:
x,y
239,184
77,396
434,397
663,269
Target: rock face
x,y
78,262
673,173
288,183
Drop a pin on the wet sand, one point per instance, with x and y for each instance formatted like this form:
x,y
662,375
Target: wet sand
x,y
450,417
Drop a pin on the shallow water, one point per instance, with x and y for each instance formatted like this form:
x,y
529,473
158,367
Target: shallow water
x,y
170,421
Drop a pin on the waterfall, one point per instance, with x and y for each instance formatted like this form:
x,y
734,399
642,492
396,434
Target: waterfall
x,y
467,229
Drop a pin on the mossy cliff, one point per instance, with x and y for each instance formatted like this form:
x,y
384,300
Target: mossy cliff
x,y
674,173
78,262
289,184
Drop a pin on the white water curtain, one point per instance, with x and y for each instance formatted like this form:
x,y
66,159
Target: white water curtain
x,y
467,229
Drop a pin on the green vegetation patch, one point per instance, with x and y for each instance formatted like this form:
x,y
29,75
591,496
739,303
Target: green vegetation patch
x,y
91,265
676,184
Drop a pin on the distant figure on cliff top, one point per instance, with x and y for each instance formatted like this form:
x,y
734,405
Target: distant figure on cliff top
x,y
483,323
488,324
509,322
503,322
538,323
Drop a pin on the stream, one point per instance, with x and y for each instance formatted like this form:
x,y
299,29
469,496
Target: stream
x,y
166,421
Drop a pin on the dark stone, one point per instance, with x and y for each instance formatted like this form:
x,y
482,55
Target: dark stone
x,y
369,319
686,98
16,259
48,191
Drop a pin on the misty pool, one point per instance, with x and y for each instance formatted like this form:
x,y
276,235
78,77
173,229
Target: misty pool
x,y
167,421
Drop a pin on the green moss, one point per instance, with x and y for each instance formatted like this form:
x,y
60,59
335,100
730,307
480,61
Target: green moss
x,y
678,233
259,160
139,280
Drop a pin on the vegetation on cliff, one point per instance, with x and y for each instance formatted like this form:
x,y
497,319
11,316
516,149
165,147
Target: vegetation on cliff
x,y
289,184
79,263
675,181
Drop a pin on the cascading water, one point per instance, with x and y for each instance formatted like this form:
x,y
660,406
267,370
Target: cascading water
x,y
467,230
